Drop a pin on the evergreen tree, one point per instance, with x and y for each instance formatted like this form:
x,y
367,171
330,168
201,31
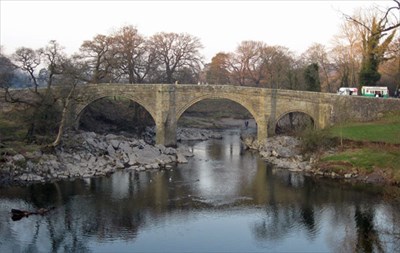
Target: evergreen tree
x,y
373,52
311,77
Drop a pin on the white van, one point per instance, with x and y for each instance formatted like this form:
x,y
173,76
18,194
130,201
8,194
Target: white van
x,y
347,91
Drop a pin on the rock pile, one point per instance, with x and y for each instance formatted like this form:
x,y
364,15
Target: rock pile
x,y
282,151
88,154
196,134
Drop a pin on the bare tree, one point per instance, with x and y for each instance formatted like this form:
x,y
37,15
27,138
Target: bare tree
x,y
250,53
43,103
176,51
237,68
28,60
98,56
346,56
71,76
248,63
279,63
256,64
128,47
53,57
391,69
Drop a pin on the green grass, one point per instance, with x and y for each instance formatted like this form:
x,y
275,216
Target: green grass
x,y
368,158
12,136
11,129
386,130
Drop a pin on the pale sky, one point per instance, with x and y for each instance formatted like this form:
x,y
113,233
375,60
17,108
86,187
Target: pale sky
x,y
220,25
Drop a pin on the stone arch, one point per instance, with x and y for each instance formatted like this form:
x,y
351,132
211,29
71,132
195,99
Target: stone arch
x,y
195,100
81,108
286,112
283,113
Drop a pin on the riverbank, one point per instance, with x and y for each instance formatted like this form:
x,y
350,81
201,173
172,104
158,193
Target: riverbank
x,y
285,152
87,154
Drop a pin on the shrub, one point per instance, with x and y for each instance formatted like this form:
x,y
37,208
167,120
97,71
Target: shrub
x,y
313,140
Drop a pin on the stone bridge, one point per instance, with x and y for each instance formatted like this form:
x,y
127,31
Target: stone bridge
x,y
167,102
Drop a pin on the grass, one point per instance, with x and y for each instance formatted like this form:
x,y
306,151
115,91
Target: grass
x,y
12,136
386,130
368,158
378,147
11,129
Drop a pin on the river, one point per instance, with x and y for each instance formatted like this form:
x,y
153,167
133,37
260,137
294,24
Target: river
x,y
225,199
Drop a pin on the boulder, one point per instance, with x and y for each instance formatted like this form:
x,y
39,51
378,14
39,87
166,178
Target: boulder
x,y
180,158
115,143
18,158
111,150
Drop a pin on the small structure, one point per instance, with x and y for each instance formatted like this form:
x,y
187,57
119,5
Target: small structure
x,y
347,91
375,91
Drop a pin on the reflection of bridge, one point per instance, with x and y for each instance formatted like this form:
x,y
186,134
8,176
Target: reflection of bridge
x,y
167,102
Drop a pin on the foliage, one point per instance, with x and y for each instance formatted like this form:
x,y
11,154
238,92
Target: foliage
x,y
372,30
317,53
313,140
6,72
311,76
45,118
217,72
12,127
12,135
369,74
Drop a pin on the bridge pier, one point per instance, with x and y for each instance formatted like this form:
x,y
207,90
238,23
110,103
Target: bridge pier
x,y
166,132
165,119
262,129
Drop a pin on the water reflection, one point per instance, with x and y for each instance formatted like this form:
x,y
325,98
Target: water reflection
x,y
224,199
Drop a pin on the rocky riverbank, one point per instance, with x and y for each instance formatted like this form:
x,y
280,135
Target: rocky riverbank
x,y
87,154
284,152
281,151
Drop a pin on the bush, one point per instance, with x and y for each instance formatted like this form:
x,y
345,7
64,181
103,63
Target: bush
x,y
314,140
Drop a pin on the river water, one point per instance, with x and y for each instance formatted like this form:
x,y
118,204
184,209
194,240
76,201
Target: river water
x,y
224,200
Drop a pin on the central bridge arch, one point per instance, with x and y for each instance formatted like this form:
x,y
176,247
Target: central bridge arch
x,y
186,106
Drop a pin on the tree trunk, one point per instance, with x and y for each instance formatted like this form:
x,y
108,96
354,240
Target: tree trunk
x,y
63,118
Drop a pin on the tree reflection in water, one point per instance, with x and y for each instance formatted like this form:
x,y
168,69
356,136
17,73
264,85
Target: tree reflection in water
x,y
368,239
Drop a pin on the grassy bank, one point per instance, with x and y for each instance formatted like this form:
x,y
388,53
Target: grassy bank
x,y
13,130
368,148
386,130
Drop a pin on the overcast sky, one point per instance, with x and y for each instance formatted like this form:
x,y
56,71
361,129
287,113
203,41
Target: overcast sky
x,y
220,25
